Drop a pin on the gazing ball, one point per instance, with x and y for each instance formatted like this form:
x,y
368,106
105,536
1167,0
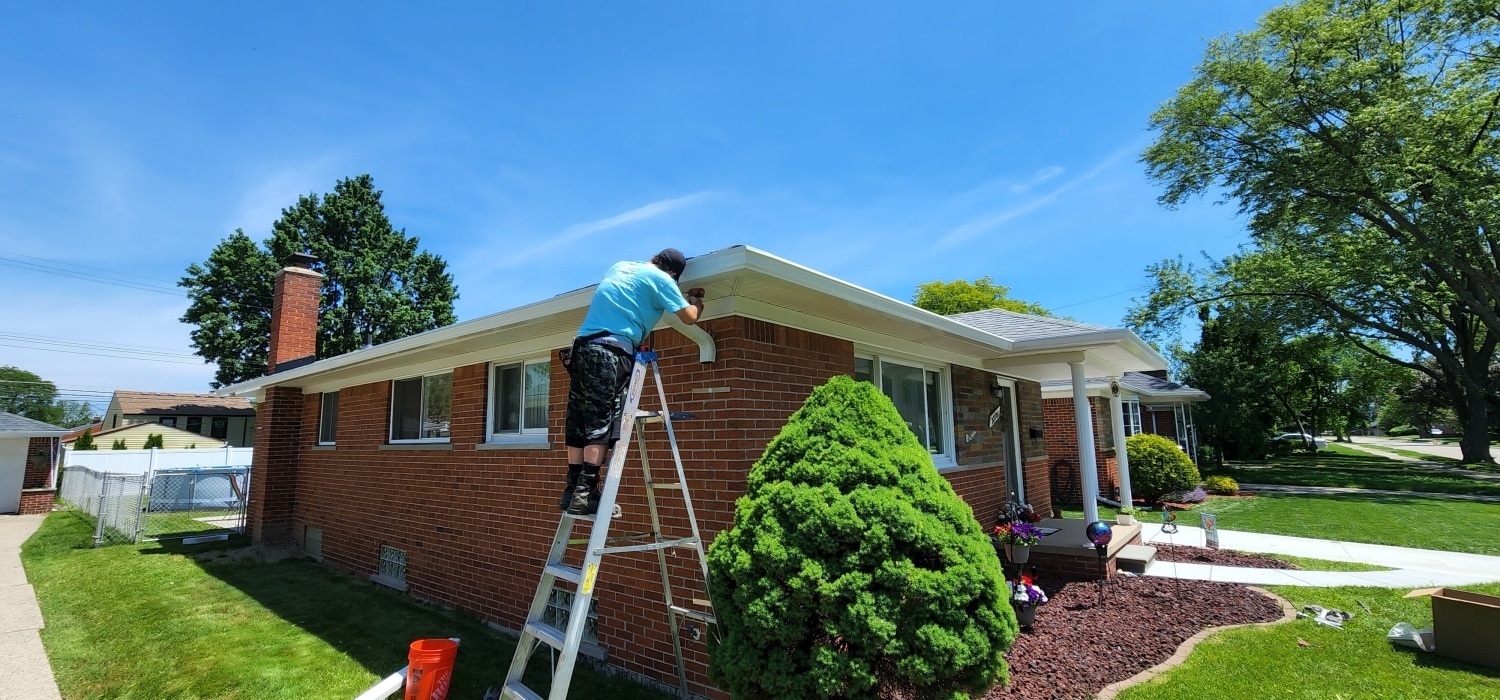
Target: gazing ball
x,y
1099,533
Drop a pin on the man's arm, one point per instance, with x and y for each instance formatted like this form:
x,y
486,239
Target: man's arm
x,y
690,313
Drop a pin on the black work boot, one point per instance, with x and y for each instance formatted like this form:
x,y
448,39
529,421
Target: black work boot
x,y
567,495
586,494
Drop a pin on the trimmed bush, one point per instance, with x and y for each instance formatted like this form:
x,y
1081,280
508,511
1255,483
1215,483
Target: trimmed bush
x,y
85,441
119,445
153,440
1222,485
853,569
1402,430
1158,466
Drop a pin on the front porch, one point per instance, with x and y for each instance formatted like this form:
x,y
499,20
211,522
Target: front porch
x,y
1068,554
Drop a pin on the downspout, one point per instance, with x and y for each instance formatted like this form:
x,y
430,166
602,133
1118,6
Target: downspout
x,y
707,351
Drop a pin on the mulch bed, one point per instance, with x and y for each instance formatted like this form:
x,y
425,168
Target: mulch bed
x,y
1078,646
1183,554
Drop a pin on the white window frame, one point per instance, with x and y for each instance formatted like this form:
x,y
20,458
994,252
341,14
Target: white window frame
x,y
1131,406
947,458
1015,444
323,416
526,435
390,420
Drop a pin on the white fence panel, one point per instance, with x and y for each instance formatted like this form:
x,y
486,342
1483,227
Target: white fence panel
x,y
141,461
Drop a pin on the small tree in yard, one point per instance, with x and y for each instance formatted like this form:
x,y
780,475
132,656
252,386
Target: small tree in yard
x,y
153,440
119,445
85,441
1158,466
853,568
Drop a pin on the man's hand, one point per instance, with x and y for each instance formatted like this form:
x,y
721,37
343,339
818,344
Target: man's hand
x,y
690,314
695,292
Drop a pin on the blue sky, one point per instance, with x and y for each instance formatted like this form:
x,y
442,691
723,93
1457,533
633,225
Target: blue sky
x,y
531,145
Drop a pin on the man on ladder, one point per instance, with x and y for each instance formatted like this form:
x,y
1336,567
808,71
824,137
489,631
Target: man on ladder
x,y
626,306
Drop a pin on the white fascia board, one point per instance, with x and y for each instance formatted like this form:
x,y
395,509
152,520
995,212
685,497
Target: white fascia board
x,y
1124,338
763,262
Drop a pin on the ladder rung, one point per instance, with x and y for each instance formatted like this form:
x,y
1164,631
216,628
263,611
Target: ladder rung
x,y
671,485
516,690
695,614
546,633
650,546
655,416
566,573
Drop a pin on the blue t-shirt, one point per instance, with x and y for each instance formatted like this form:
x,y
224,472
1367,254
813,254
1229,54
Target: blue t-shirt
x,y
631,300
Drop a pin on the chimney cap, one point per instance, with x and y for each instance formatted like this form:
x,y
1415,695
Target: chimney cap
x,y
302,260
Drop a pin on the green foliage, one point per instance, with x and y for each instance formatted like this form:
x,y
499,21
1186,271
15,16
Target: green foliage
x,y
153,440
119,445
376,281
1358,139
192,446
853,567
1402,431
1222,485
27,394
961,296
1158,466
85,441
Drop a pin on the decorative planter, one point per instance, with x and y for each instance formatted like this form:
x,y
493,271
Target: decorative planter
x,y
1017,553
1026,616
1124,519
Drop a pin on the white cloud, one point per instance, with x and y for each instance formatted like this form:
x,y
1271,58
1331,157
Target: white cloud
x,y
579,231
994,219
261,204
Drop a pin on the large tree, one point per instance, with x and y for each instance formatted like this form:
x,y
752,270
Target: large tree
x,y
27,394
961,296
1361,140
377,286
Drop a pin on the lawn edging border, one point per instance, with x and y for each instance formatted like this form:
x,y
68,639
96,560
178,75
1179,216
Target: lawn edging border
x,y
1112,690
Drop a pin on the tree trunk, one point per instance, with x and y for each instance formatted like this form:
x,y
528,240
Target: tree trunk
x,y
1476,421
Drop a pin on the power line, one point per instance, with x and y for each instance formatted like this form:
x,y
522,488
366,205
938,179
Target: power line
x,y
95,354
86,267
36,340
81,340
87,277
1106,296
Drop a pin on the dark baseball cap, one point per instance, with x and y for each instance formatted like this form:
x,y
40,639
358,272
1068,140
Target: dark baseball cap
x,y
672,261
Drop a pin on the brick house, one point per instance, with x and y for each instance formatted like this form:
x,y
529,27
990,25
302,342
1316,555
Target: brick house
x,y
28,449
432,463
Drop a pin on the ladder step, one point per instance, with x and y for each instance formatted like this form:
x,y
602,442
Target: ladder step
x,y
695,614
514,689
567,573
673,485
655,416
650,546
546,633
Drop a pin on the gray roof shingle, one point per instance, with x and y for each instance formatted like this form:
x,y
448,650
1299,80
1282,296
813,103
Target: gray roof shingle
x,y
14,424
1021,327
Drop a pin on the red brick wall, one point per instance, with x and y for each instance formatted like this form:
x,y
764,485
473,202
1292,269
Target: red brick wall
x,y
1062,445
39,455
475,524
279,440
36,501
294,316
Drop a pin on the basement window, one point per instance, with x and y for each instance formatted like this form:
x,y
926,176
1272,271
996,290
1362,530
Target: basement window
x,y
392,571
559,609
421,408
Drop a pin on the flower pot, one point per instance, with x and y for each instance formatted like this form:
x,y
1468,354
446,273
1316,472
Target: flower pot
x,y
1026,616
1017,553
1124,519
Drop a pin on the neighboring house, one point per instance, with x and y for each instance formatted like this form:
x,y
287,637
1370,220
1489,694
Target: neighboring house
x,y
230,419
135,437
433,463
1148,403
27,450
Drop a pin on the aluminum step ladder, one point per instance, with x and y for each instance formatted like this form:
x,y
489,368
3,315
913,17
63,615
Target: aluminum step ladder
x,y
566,642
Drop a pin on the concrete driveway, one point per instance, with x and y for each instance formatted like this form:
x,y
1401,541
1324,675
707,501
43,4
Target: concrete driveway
x,y
1437,449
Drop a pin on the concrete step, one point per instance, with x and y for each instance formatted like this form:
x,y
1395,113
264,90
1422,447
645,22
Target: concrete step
x,y
1135,558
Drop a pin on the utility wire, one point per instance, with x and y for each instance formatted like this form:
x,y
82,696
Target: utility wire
x,y
7,261
86,267
80,340
1106,296
95,354
93,346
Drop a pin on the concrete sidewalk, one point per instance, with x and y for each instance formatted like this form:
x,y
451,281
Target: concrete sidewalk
x,y
1344,490
25,673
1412,568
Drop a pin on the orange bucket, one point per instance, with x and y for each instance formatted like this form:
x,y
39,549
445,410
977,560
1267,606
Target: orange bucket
x,y
431,669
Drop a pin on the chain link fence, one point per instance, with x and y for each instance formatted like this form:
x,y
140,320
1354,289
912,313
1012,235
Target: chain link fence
x,y
167,504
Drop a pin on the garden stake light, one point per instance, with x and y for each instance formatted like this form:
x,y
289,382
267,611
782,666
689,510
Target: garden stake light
x,y
1100,534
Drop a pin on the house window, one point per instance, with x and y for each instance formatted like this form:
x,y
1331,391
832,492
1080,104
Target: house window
x,y
1132,416
559,609
218,427
421,408
169,421
921,395
328,418
195,425
518,400
392,568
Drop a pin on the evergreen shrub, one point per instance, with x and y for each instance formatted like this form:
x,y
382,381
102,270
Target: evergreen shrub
x,y
85,441
1158,466
119,445
852,568
1222,485
153,440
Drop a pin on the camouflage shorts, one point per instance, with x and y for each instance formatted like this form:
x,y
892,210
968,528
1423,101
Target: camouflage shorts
x,y
596,395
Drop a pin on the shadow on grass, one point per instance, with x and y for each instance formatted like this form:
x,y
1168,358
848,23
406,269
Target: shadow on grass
x,y
1429,659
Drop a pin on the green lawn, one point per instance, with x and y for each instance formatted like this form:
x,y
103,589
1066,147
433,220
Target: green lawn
x,y
1310,564
1355,662
1345,467
1425,523
153,622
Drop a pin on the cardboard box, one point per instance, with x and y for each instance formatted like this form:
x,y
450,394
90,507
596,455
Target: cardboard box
x,y
1465,626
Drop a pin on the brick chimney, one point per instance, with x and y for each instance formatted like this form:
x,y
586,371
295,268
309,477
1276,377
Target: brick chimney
x,y
294,314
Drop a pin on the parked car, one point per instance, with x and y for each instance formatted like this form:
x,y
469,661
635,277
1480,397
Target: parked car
x,y
1435,431
1301,439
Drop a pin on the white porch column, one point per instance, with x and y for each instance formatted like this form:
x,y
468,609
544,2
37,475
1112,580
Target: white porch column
x,y
1117,412
1087,466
